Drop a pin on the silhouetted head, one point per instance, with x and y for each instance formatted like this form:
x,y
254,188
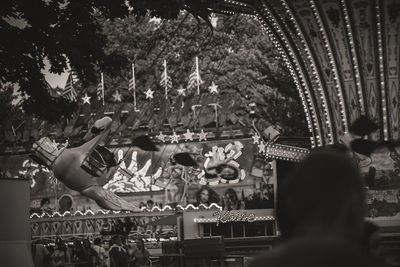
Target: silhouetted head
x,y
324,195
97,241
86,243
150,204
140,244
117,240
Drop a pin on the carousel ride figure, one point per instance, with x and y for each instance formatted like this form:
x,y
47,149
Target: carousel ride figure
x,y
88,167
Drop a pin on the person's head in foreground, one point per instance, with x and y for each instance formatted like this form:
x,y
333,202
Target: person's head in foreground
x,y
320,212
324,195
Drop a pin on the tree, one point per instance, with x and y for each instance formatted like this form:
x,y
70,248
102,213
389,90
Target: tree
x,y
236,55
68,32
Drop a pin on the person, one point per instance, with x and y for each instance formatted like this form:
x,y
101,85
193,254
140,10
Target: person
x,y
142,205
267,196
119,255
372,243
101,254
150,204
45,205
60,256
175,187
231,200
105,227
40,255
206,196
127,226
320,212
141,255
77,251
88,255
119,227
227,172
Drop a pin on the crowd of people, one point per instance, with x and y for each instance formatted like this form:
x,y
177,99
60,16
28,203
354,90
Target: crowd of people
x,y
117,252
320,210
229,200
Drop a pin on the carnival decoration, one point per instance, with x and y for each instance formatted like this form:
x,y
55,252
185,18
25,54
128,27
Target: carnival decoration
x,y
132,179
379,164
86,99
219,164
86,168
30,169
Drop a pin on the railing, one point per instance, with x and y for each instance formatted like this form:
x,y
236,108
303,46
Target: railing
x,y
92,224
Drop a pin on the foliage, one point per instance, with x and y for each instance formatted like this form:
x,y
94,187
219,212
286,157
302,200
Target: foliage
x,y
104,35
236,55
67,32
8,111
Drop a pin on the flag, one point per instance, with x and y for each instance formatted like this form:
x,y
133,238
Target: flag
x,y
69,91
194,77
100,89
165,81
132,86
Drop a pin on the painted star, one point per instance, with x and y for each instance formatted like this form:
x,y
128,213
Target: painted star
x,y
149,93
188,135
256,139
261,147
161,137
213,88
202,135
174,138
86,99
181,91
117,96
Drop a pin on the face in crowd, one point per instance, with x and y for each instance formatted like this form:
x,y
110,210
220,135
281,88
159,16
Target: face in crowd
x,y
204,196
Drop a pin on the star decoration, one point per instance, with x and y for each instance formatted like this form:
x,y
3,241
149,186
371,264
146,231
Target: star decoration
x,y
174,138
86,99
149,93
161,137
117,96
202,135
261,147
213,88
188,135
181,91
256,139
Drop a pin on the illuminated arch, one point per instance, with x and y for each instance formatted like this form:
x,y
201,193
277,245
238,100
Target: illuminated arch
x,y
343,56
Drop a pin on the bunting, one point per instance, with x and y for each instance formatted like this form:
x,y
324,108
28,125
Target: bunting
x,y
100,89
69,91
132,86
194,77
166,81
